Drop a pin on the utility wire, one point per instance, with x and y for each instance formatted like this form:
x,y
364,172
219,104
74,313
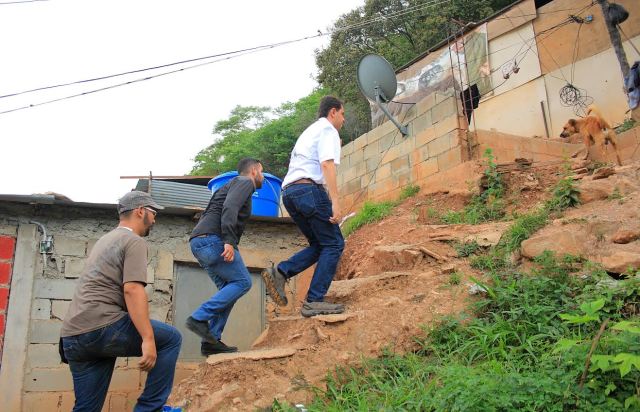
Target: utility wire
x,y
256,48
19,2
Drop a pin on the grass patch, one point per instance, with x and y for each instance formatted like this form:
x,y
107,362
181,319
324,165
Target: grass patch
x,y
370,212
409,191
464,249
523,347
628,124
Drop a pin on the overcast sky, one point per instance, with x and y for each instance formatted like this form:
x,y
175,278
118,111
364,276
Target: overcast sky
x,y
80,147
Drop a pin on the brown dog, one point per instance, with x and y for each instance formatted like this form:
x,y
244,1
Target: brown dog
x,y
594,129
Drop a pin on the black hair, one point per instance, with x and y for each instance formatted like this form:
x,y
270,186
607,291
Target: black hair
x,y
326,104
245,165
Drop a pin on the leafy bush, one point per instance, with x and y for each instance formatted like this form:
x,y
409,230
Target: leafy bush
x,y
409,191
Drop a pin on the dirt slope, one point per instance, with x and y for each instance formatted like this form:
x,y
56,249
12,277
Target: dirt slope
x,y
394,276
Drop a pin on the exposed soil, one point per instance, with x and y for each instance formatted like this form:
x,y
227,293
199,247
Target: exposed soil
x,y
395,276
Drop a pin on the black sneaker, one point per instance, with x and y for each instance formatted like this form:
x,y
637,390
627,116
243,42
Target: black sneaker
x,y
207,348
200,328
274,281
321,308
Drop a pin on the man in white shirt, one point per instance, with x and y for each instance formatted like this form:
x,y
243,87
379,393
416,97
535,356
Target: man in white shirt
x,y
310,195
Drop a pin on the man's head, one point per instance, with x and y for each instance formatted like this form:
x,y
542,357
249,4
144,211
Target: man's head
x,y
333,110
253,169
138,210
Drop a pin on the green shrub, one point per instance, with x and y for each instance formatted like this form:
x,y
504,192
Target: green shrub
x,y
409,191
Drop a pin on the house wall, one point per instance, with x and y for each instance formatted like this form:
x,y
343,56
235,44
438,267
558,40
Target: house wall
x,y
7,247
47,383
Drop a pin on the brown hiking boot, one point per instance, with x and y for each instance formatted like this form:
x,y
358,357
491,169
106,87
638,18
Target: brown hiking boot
x,y
274,281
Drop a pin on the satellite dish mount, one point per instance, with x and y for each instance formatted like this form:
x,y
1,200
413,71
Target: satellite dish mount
x,y
377,81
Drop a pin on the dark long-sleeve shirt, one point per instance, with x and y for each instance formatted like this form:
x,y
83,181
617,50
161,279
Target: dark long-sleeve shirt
x,y
227,211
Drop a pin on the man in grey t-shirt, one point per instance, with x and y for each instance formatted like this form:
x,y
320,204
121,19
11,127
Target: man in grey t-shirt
x,y
109,315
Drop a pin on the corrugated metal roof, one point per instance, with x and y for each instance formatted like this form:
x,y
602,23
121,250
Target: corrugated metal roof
x,y
172,194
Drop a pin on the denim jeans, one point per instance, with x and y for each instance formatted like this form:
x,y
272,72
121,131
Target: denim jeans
x,y
92,356
231,278
310,208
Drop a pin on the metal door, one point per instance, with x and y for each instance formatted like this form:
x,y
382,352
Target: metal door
x,y
193,286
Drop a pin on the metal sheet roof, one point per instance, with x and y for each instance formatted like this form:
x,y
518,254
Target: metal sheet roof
x,y
173,194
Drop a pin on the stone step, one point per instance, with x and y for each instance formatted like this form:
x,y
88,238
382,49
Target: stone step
x,y
257,354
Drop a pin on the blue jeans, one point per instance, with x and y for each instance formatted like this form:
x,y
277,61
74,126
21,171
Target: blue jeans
x,y
231,278
92,356
310,207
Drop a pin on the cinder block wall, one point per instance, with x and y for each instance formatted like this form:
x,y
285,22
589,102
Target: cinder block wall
x,y
378,164
47,384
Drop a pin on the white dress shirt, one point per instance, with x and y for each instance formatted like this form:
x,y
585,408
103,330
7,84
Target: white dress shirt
x,y
318,143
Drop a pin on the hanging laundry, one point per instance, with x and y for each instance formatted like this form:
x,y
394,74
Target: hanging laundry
x,y
470,98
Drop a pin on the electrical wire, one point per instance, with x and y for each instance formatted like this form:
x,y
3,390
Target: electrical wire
x,y
430,3
20,2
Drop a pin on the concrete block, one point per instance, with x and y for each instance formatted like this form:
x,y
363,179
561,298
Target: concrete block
x,y
69,247
158,312
48,380
439,145
360,143
444,109
151,274
41,309
59,308
420,154
8,230
183,252
422,122
425,136
383,172
391,154
425,169
356,157
45,331
446,125
123,363
344,162
352,186
164,265
125,380
163,285
43,356
402,179
386,142
449,159
54,288
425,104
40,401
373,162
406,145
347,149
73,267
400,164
370,151
349,174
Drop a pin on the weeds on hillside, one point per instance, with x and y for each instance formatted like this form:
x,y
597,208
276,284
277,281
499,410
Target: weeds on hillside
x,y
535,342
374,211
488,205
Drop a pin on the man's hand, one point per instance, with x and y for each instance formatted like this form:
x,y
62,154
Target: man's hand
x,y
149,355
227,253
337,214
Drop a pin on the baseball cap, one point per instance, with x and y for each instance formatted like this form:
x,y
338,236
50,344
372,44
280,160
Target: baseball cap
x,y
136,199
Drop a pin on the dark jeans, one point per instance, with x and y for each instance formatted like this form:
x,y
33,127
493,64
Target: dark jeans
x,y
92,356
310,207
231,278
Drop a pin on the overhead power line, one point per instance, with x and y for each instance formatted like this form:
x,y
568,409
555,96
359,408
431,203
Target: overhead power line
x,y
19,2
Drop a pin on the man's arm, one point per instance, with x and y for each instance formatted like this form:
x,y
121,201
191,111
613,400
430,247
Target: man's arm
x,y
330,176
136,299
238,194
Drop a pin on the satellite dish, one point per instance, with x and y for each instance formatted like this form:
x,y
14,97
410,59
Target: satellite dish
x,y
377,81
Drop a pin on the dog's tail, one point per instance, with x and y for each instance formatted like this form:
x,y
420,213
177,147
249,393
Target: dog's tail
x,y
593,110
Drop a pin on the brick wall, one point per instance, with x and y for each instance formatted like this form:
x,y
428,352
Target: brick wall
x,y
378,164
7,248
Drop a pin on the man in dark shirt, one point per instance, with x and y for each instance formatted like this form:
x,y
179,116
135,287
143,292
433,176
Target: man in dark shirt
x,y
214,242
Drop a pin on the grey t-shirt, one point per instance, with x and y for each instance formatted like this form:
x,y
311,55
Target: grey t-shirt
x,y
118,257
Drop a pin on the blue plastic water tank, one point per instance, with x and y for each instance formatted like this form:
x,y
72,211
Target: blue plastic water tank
x,y
266,200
